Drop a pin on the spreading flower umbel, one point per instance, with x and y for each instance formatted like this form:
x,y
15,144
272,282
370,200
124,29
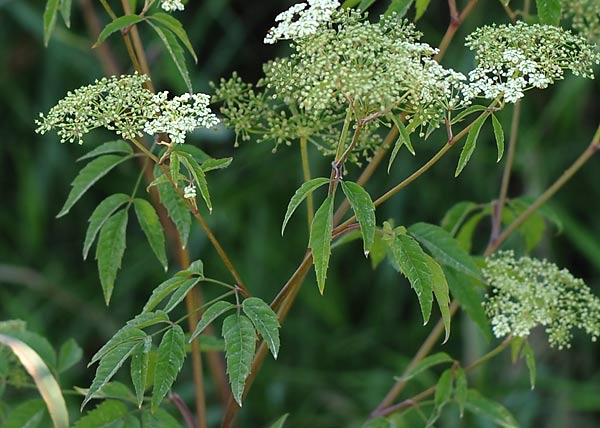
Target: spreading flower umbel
x,y
526,293
301,20
122,104
514,58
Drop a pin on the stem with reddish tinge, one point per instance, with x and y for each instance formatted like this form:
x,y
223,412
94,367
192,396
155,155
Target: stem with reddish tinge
x,y
414,400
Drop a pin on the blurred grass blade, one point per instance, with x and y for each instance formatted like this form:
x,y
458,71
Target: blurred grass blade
x,y
50,19
45,382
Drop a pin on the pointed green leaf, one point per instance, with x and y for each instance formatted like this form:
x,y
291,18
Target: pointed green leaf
x,y
152,228
118,146
110,249
421,8
467,291
159,419
378,251
103,211
240,343
196,268
530,362
456,215
180,293
443,389
25,415
174,166
403,139
408,257
549,11
426,363
444,248
279,422
147,319
65,11
301,194
50,19
492,410
110,363
89,175
106,415
118,24
320,240
515,348
167,287
465,234
400,7
365,4
139,369
466,112
175,51
171,23
470,144
461,390
44,380
199,177
171,353
70,354
210,314
499,135
212,164
126,335
265,321
176,207
441,293
363,208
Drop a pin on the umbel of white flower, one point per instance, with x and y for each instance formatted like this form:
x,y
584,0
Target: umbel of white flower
x,y
512,59
585,17
122,104
371,66
526,293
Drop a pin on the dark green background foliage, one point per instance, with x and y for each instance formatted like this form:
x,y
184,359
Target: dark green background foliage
x,y
339,352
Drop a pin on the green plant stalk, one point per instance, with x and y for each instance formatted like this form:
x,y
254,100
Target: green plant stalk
x,y
140,54
310,208
437,331
510,157
414,400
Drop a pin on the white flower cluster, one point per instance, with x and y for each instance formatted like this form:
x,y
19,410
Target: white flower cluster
x,y
512,59
189,192
526,293
298,21
122,104
180,115
171,5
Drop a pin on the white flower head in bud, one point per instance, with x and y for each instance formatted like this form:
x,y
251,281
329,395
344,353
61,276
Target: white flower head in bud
x,y
189,192
171,5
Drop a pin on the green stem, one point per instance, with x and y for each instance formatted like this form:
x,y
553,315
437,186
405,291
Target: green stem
x,y
499,206
306,175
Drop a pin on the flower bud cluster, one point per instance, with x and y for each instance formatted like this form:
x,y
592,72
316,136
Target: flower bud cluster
x,y
514,58
122,104
526,293
171,5
585,17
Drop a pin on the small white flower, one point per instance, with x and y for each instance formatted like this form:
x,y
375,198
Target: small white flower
x,y
171,5
189,192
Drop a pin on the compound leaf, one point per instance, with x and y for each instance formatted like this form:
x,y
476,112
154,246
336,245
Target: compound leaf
x,y
301,194
89,175
364,209
265,321
320,240
210,314
110,249
240,343
150,224
171,353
